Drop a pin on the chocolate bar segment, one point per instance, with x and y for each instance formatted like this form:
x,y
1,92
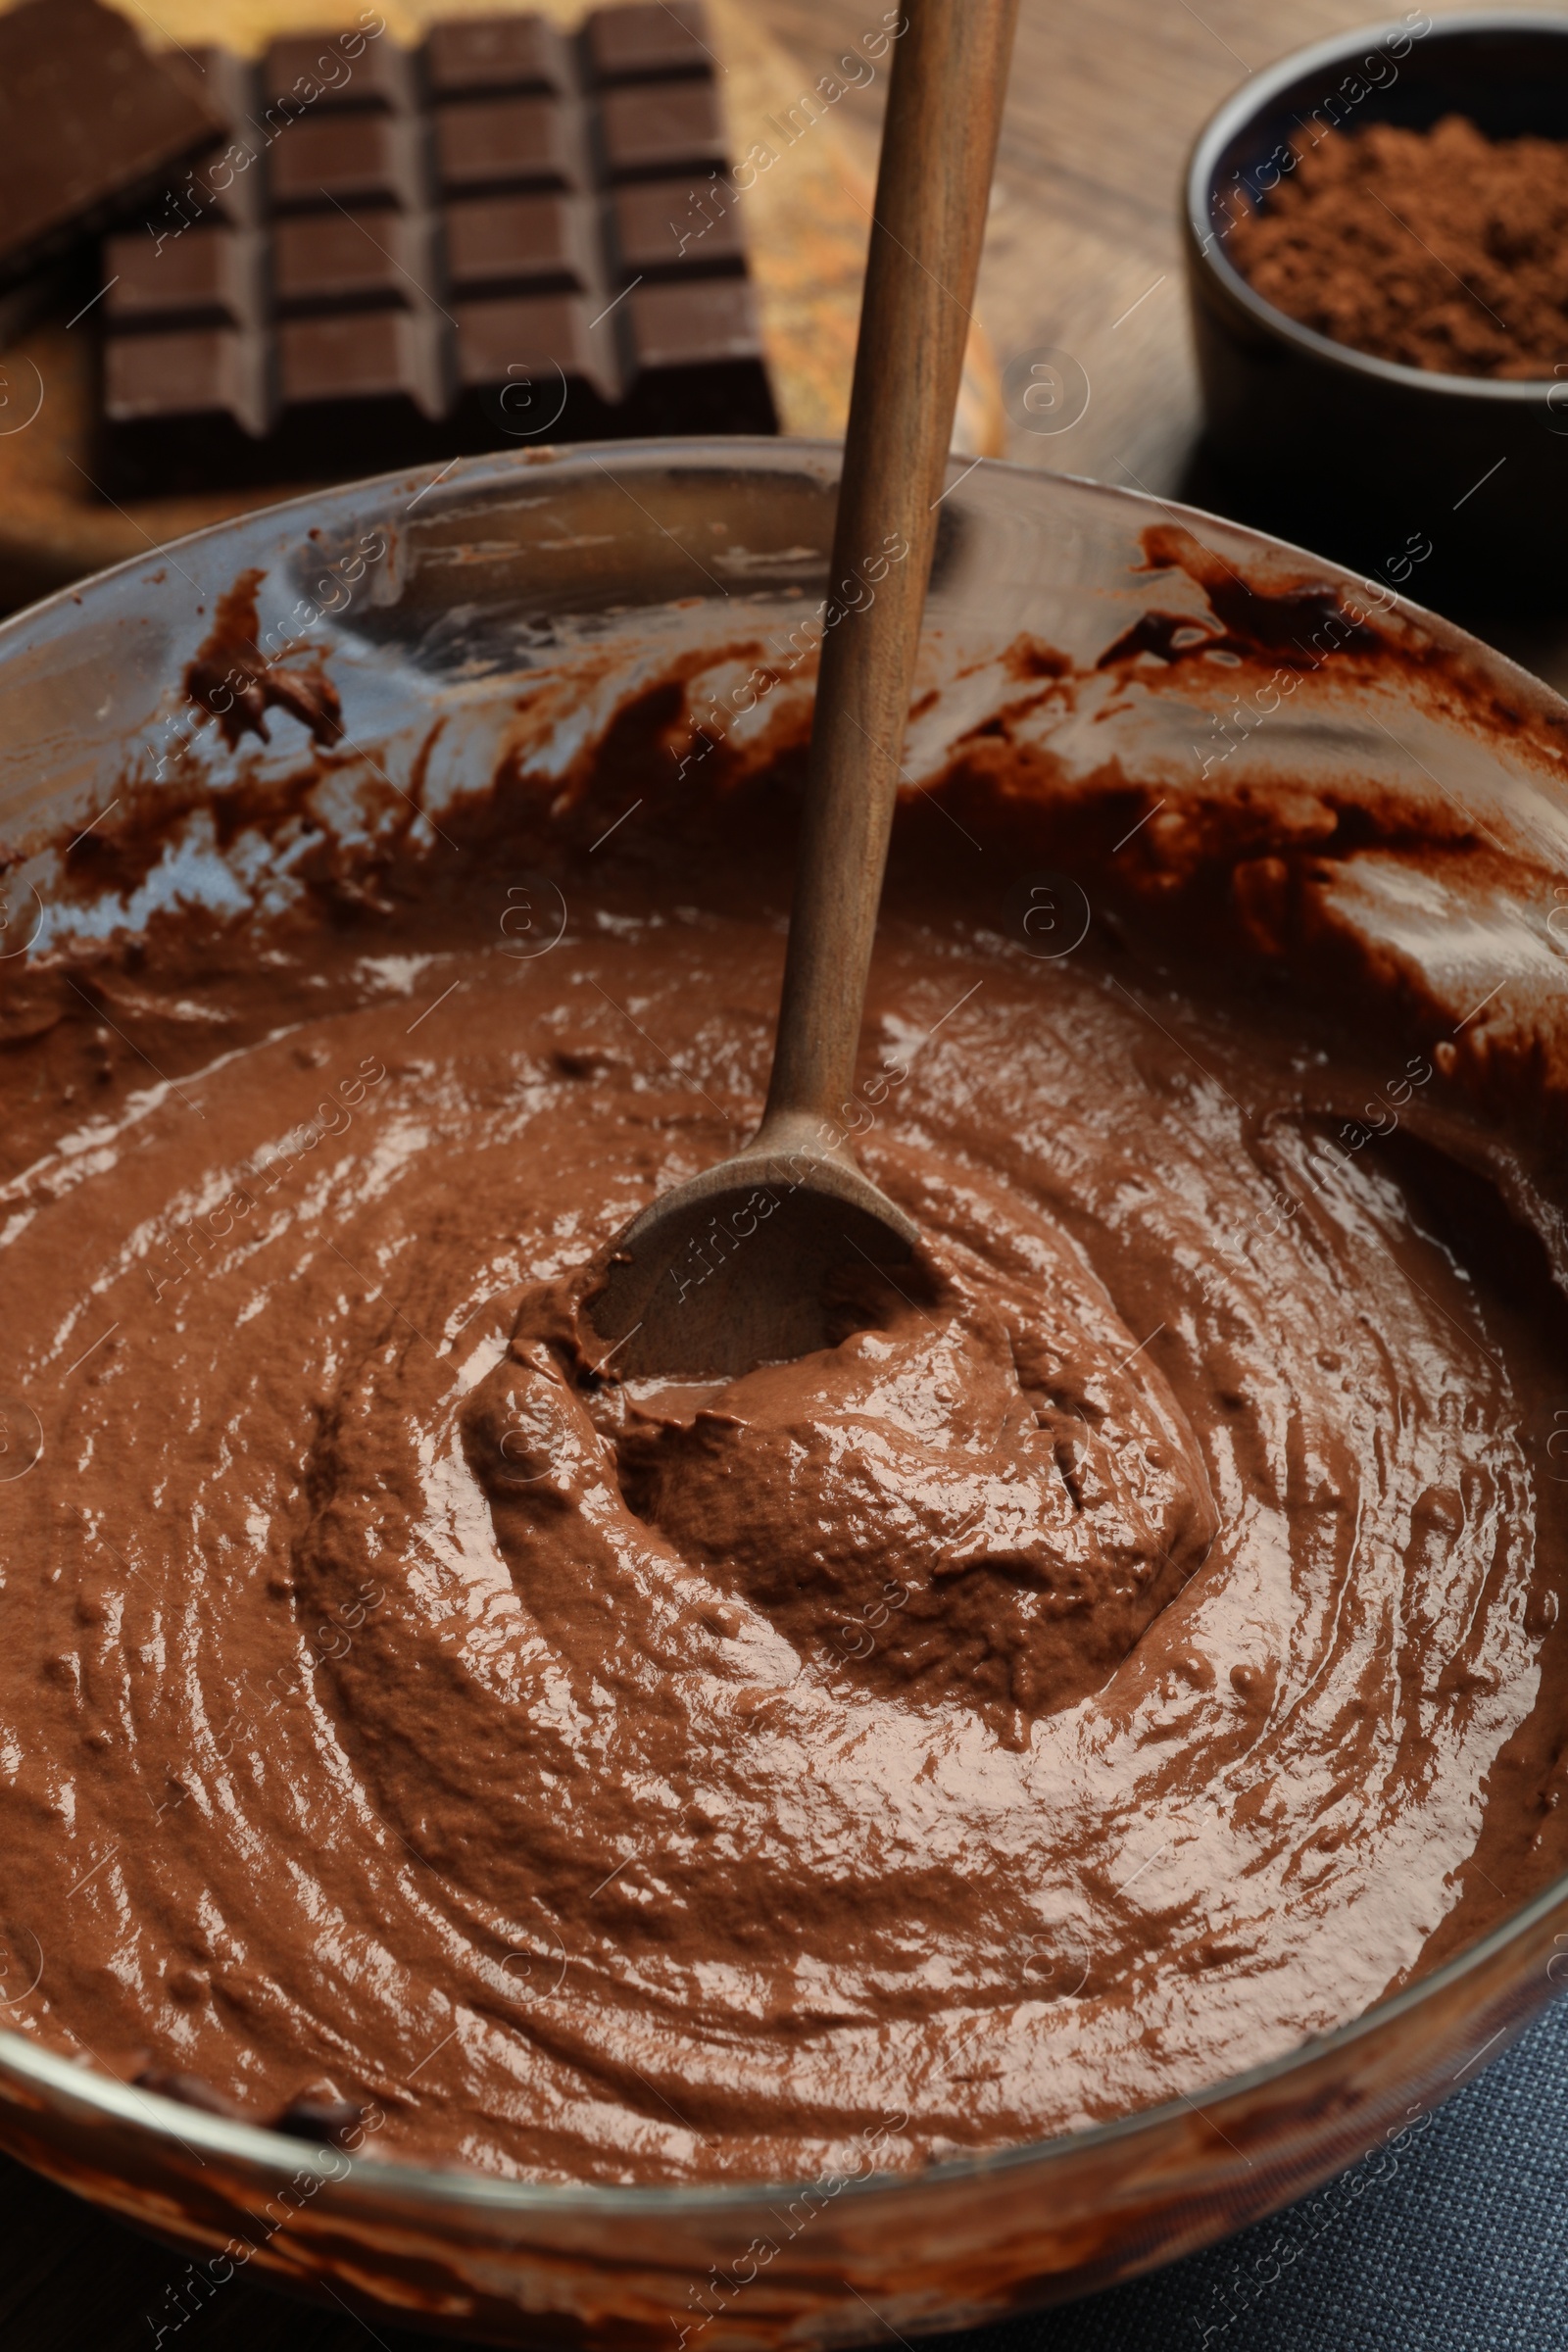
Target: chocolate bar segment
x,y
362,391
483,57
697,355
710,323
650,41
347,157
505,244
211,279
671,127
527,347
503,237
503,143
667,227
534,369
228,184
373,355
351,261
212,373
352,72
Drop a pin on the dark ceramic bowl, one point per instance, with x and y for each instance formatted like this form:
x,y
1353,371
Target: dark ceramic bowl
x,y
1455,484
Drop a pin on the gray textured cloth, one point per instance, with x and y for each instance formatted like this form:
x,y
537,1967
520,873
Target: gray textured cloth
x,y
1462,2248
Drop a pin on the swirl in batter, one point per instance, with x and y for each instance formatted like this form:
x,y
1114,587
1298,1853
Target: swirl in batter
x,y
1097,1671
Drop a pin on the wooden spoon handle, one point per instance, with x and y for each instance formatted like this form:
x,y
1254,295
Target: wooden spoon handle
x,y
938,146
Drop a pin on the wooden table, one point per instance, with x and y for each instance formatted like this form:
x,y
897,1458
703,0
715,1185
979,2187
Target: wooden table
x,y
1082,256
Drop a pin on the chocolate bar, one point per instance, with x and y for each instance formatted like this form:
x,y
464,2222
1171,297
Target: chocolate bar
x,y
506,236
89,124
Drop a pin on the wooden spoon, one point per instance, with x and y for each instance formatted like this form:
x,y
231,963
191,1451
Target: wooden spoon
x,y
731,1268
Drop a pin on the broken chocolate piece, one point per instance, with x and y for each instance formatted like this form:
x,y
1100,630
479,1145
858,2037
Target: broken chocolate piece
x,y
89,123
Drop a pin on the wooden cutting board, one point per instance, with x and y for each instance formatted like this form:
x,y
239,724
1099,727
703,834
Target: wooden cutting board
x,y
807,217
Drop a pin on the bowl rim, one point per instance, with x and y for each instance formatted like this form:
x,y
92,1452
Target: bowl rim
x,y
1251,99
465,2188
57,2081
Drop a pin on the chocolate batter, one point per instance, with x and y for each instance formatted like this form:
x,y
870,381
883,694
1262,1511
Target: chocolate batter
x,y
1128,1650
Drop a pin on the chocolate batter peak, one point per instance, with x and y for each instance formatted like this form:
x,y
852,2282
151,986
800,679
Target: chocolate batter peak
x,y
1129,1649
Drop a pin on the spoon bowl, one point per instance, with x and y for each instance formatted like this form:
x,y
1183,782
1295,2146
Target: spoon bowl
x,y
741,1265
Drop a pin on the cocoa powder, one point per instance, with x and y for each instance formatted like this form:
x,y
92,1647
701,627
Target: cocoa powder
x,y
1442,249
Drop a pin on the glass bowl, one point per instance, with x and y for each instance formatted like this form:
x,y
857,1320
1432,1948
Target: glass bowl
x,y
432,596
